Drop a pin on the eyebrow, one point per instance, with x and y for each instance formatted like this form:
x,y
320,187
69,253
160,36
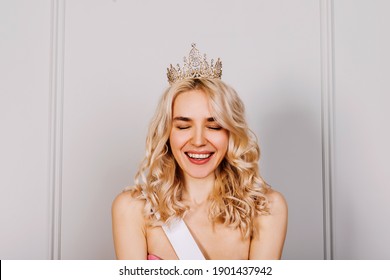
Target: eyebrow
x,y
185,119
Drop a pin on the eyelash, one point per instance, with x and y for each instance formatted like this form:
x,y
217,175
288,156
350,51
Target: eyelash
x,y
209,127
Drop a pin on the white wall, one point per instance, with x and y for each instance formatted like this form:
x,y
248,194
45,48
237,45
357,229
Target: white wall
x,y
24,127
82,79
361,131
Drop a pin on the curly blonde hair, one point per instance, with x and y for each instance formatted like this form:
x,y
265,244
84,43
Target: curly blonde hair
x,y
239,191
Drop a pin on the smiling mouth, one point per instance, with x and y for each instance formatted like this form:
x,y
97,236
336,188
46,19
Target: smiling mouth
x,y
199,156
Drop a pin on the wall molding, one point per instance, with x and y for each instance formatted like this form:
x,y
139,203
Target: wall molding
x,y
57,35
327,91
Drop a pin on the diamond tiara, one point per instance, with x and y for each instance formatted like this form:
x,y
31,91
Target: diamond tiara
x,y
195,67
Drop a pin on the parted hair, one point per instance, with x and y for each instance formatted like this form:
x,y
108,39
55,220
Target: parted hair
x,y
239,192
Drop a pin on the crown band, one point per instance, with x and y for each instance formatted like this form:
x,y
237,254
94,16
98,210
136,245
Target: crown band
x,y
195,67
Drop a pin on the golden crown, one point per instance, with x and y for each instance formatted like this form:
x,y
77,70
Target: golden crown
x,y
195,67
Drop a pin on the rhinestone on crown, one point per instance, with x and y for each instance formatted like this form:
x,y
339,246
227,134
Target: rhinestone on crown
x,y
195,67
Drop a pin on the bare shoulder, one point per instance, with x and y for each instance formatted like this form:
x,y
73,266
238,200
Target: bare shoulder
x,y
128,225
127,203
276,202
270,230
278,212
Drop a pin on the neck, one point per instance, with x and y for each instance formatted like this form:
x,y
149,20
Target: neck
x,y
197,191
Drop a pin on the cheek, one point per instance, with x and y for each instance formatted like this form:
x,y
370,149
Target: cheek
x,y
176,140
222,142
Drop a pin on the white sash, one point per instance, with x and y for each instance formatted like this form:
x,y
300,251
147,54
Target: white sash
x,y
182,241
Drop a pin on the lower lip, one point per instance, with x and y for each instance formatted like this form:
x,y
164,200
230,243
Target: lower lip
x,y
199,161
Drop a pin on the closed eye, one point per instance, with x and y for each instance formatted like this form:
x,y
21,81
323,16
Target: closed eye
x,y
215,127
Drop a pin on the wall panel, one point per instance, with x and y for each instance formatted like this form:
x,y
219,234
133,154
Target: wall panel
x,y
361,152
116,53
24,121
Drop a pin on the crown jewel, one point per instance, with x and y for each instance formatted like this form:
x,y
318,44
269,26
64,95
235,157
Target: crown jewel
x,y
195,67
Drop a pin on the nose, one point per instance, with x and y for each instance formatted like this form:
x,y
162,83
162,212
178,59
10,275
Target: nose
x,y
198,137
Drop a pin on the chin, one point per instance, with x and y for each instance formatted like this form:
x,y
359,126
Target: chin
x,y
200,175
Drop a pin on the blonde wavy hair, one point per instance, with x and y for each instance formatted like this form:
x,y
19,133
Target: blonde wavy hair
x,y
239,191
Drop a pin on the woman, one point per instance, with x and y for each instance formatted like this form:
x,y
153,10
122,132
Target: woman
x,y
199,184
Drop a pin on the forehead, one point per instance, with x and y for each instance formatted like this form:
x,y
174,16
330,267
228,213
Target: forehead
x,y
192,104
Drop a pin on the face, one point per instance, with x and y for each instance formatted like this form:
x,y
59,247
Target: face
x,y
197,141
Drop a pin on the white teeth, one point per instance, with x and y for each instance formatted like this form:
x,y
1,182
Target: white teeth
x,y
199,156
